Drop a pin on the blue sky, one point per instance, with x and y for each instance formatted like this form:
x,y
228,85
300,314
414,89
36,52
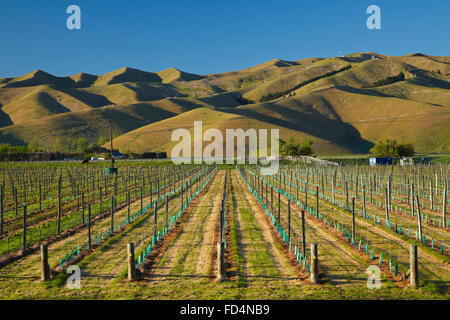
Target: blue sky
x,y
209,36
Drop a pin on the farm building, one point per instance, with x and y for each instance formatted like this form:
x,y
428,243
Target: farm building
x,y
380,161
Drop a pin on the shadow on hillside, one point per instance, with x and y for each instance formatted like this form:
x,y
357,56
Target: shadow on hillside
x,y
365,91
226,99
132,117
422,79
316,124
6,137
5,120
187,104
39,78
91,99
51,104
152,91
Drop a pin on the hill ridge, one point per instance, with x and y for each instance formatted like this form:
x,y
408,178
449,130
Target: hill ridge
x,y
344,103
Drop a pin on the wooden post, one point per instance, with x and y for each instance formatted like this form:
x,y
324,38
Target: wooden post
x,y
59,204
82,207
271,198
289,219
220,259
2,194
182,186
364,201
142,195
290,185
156,218
419,218
128,205
40,196
317,201
267,194
389,193
44,260
112,214
167,211
131,265
303,234
386,204
151,192
353,221
306,195
314,264
279,203
221,221
89,228
431,196
17,202
101,201
333,185
413,266
346,194
444,206
157,199
371,189
24,229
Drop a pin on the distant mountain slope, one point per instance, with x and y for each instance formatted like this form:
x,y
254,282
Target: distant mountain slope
x,y
172,74
345,104
93,123
157,136
126,75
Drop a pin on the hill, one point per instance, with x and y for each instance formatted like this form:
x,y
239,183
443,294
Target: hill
x,y
344,104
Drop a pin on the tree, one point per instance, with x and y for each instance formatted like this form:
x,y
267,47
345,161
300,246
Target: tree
x,y
306,148
65,144
390,148
102,140
406,150
293,148
389,80
69,144
33,145
82,145
58,145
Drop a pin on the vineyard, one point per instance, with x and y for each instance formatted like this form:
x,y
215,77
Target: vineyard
x,y
163,231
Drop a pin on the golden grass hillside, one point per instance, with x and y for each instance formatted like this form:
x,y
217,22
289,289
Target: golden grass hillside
x,y
344,104
93,123
157,136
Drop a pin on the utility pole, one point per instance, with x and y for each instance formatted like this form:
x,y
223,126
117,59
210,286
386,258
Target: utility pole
x,y
111,138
